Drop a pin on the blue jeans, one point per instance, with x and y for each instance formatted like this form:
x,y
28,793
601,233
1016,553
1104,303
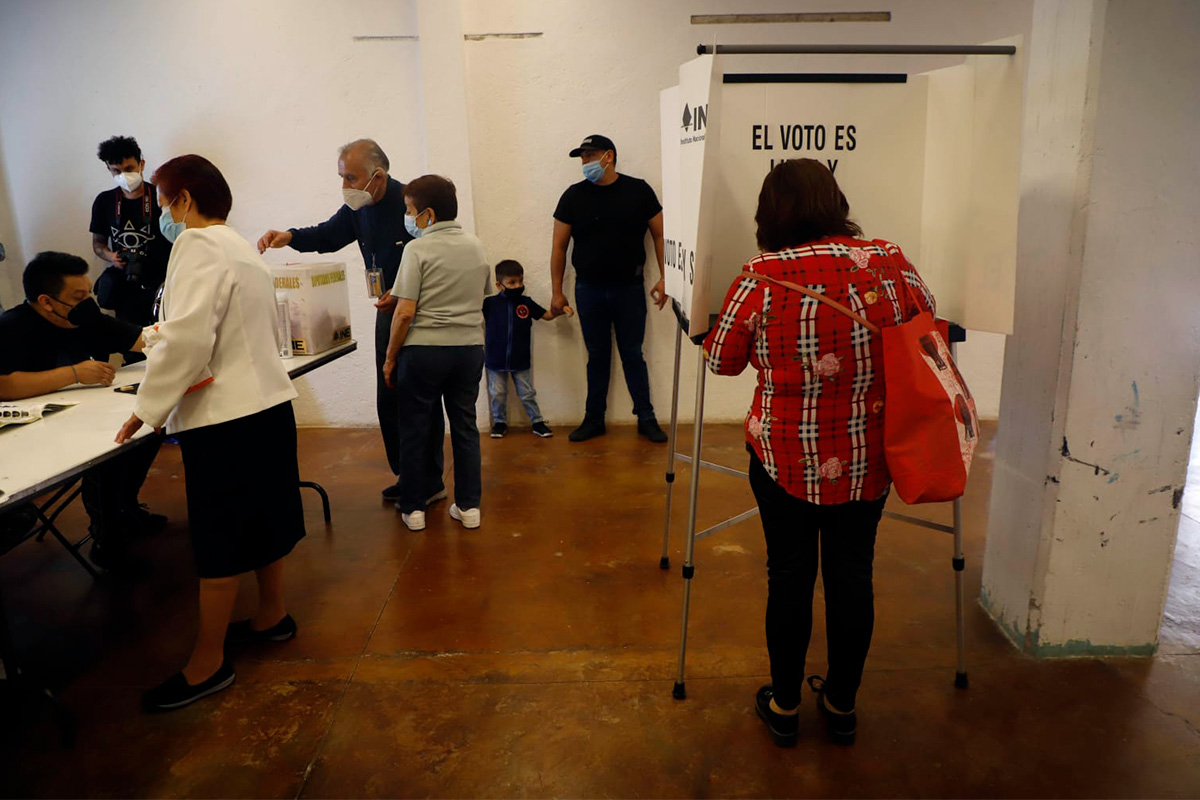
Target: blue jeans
x,y
498,394
424,374
603,309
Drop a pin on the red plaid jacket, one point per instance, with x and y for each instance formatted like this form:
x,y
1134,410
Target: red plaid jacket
x,y
817,418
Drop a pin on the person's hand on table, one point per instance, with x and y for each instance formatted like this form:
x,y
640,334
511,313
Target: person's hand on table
x,y
389,370
131,426
558,303
386,303
658,293
94,373
274,239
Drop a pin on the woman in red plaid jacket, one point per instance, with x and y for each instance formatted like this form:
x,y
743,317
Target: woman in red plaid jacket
x,y
815,429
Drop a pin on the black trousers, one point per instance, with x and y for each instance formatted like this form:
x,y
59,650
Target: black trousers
x,y
423,374
846,536
386,403
110,491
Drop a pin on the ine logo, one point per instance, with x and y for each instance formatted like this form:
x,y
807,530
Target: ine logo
x,y
696,121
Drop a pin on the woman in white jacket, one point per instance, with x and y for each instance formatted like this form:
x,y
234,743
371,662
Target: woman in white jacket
x,y
214,380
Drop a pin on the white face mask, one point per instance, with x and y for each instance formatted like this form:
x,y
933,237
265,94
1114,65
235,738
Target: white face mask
x,y
357,198
129,181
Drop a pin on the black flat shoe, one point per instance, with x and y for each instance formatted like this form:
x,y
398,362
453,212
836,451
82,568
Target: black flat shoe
x,y
176,692
392,493
240,632
843,728
784,728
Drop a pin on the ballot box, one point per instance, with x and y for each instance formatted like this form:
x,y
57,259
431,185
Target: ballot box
x,y
318,298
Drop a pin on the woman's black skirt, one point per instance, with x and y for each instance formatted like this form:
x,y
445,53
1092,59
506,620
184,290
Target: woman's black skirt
x,y
243,491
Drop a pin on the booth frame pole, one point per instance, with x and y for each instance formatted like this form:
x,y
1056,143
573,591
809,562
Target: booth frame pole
x,y
665,561
679,691
858,49
959,562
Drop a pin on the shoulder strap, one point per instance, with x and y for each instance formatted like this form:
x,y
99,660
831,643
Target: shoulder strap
x,y
859,318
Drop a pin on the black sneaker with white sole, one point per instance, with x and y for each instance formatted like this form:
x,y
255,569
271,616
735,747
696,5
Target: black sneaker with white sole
x,y
499,429
542,429
176,692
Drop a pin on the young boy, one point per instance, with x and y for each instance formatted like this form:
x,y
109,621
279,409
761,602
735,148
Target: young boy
x,y
508,318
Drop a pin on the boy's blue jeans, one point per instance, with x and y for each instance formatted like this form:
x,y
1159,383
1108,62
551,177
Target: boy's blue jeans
x,y
498,393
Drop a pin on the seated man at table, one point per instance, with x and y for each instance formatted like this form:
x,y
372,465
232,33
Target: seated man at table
x,y
59,337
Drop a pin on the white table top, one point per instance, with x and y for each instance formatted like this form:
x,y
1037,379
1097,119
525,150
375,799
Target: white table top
x,y
39,456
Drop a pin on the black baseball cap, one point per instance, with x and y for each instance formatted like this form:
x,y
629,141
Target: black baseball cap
x,y
594,142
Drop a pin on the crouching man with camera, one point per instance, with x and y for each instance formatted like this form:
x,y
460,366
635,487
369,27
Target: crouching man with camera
x,y
125,233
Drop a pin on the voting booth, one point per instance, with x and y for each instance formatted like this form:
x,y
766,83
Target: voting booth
x,y
318,300
929,161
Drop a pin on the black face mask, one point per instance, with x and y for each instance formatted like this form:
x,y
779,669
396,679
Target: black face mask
x,y
82,314
513,294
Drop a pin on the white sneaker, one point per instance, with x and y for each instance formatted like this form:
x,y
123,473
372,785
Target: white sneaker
x,y
433,498
415,521
468,517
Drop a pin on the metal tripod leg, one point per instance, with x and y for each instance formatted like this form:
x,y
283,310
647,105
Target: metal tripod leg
x,y
665,561
960,563
679,692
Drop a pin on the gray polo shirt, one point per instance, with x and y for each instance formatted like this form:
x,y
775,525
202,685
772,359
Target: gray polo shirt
x,y
446,273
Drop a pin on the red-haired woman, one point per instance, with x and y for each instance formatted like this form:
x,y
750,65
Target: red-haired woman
x,y
815,428
215,382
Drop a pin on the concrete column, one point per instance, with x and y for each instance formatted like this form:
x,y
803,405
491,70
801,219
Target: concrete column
x,y
444,96
1101,374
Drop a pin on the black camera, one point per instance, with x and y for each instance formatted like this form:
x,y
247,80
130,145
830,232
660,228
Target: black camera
x,y
135,269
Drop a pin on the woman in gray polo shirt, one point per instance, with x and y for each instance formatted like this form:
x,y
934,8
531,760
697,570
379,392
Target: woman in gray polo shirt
x,y
436,350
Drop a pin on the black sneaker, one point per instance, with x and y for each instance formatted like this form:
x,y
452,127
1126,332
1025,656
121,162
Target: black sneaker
x,y
499,429
842,727
784,728
116,561
590,428
392,493
542,429
240,632
649,428
176,692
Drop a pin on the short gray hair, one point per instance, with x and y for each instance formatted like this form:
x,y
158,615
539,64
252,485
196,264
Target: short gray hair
x,y
371,151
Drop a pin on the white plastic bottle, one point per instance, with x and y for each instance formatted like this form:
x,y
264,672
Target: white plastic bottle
x,y
283,324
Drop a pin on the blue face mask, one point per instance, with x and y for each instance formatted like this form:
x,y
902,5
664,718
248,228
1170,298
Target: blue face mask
x,y
169,227
593,170
410,225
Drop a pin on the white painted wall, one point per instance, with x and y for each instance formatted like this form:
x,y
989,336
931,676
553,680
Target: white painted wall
x,y
1079,547
269,89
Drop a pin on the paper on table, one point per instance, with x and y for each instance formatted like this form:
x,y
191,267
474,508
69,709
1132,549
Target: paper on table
x,y
23,413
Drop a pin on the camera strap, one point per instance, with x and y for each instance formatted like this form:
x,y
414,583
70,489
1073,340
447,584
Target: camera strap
x,y
147,217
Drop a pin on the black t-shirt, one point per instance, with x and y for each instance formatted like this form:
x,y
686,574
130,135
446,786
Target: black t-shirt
x,y
28,343
134,229
608,224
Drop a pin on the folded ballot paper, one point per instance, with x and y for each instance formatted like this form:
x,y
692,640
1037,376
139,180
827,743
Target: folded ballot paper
x,y
21,413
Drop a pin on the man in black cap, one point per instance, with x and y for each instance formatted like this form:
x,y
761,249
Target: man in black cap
x,y
608,214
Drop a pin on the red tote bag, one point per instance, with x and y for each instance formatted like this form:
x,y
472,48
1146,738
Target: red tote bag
x,y
930,426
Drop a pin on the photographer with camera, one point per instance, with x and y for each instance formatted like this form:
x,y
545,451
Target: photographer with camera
x,y
125,233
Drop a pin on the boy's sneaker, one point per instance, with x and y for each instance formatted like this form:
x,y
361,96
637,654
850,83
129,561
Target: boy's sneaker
x,y
542,429
590,428
499,429
469,517
415,521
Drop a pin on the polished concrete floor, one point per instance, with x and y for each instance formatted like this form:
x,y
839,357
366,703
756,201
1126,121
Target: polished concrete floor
x,y
534,657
